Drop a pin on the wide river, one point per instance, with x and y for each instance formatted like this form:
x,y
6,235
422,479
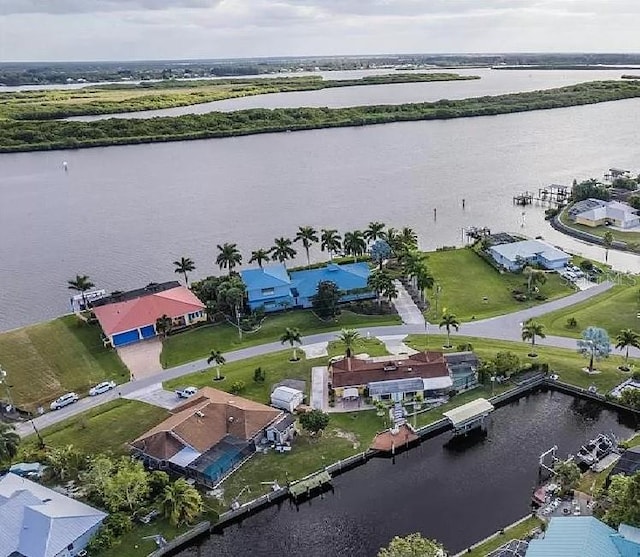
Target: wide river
x,y
122,214
457,496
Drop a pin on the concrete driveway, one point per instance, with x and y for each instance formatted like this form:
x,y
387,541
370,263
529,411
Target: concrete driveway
x,y
142,358
156,395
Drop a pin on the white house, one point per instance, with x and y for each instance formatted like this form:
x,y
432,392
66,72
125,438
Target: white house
x,y
516,255
36,521
286,398
608,213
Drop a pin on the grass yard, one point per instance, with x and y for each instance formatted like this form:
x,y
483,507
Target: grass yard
x,y
106,428
465,279
46,360
566,363
518,532
613,310
197,343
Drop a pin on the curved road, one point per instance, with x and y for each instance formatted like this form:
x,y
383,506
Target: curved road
x,y
504,327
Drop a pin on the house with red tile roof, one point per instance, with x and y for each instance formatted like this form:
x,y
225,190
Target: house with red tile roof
x,y
128,317
208,436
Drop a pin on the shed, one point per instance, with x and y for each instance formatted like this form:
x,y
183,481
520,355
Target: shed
x,y
282,430
286,398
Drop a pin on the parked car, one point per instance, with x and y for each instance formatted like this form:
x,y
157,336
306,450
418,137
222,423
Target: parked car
x,y
64,400
186,392
102,388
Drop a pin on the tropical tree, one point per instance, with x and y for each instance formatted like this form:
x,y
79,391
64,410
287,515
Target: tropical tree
x,y
374,231
314,421
623,500
379,282
259,256
627,338
9,442
607,240
380,251
326,299
413,545
424,279
594,344
308,236
449,320
183,266
354,244
531,330
216,357
293,337
534,277
568,475
392,237
229,256
81,284
349,337
390,291
408,238
234,297
282,250
181,502
127,488
164,325
330,241
65,462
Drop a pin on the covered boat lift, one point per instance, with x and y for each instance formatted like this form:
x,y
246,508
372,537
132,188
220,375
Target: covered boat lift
x,y
469,416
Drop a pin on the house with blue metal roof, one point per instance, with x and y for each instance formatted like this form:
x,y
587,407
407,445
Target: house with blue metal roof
x,y
273,288
585,536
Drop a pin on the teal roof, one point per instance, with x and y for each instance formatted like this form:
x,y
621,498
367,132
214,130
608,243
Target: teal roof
x,y
347,277
270,276
582,536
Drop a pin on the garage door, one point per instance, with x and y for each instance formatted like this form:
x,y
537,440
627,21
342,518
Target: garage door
x,y
148,331
126,338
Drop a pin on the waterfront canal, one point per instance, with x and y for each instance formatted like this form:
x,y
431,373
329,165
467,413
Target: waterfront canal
x,y
457,495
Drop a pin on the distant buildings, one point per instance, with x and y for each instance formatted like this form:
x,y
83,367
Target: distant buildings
x,y
595,212
514,256
129,317
36,521
273,288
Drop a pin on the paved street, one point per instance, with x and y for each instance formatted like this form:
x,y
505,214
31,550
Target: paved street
x,y
506,327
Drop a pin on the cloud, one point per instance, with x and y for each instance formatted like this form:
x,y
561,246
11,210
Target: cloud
x,y
12,7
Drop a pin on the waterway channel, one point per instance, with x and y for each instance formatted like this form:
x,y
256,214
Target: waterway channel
x,y
456,495
122,214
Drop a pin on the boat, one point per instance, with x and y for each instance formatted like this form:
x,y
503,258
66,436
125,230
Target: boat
x,y
595,450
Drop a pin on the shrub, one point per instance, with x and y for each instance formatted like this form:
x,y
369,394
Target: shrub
x,y
118,523
237,387
259,375
572,323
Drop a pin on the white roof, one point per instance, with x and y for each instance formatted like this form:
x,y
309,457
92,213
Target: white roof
x,y
611,210
527,249
468,411
435,383
285,394
350,392
38,522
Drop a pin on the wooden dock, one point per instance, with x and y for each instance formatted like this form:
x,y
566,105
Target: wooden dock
x,y
523,199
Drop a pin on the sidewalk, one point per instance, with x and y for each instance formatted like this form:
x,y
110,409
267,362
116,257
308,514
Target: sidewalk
x,y
406,308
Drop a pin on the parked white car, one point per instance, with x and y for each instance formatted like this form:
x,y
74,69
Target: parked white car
x,y
102,388
187,392
64,400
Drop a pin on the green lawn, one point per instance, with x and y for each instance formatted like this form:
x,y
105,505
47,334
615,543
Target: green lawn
x,y
106,428
197,343
517,532
600,231
465,279
566,363
612,310
46,360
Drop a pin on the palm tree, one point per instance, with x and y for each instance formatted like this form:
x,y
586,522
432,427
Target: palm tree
x,y
354,244
229,256
408,238
215,356
374,231
449,320
9,442
627,338
379,281
282,249
81,284
183,266
607,240
534,277
349,337
392,237
259,256
164,325
531,330
424,279
330,241
307,235
390,291
181,502
293,337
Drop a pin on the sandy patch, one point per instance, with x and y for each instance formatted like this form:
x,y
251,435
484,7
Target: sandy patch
x,y
142,358
348,436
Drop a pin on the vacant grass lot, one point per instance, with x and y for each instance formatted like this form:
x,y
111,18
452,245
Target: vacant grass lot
x,y
465,279
198,343
107,428
613,310
46,360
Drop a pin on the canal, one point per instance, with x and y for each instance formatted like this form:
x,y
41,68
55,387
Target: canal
x,y
455,494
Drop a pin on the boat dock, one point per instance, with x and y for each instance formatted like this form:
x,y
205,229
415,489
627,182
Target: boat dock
x,y
553,194
305,486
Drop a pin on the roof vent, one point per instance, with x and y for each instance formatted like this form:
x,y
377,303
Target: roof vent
x,y
390,367
409,369
199,414
230,419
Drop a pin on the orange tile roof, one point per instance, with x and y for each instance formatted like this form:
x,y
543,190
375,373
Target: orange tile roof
x,y
132,314
202,421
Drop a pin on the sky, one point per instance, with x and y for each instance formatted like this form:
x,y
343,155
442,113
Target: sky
x,y
177,29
